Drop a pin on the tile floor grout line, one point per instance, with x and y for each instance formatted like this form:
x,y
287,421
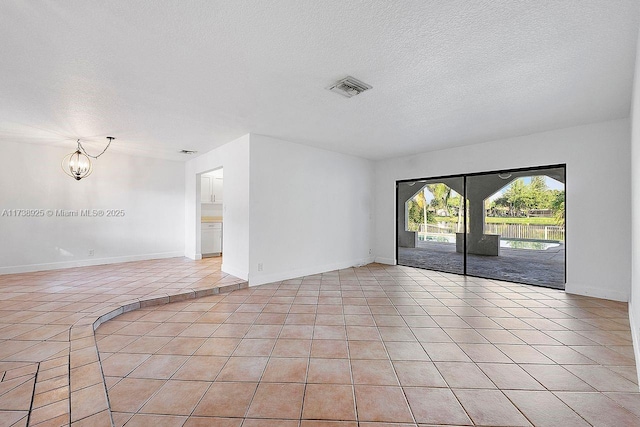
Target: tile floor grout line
x,y
69,378
444,378
393,367
353,385
104,380
496,385
33,393
591,319
225,364
133,369
555,393
95,343
306,374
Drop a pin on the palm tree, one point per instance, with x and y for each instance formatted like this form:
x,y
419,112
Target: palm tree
x,y
421,200
441,194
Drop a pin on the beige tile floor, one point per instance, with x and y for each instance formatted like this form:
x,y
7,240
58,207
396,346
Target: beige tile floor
x,y
371,346
361,346
50,374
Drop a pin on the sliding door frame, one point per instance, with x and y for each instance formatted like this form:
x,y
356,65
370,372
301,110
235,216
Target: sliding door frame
x,y
464,176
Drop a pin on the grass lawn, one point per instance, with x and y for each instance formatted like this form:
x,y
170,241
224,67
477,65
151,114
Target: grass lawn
x,y
533,220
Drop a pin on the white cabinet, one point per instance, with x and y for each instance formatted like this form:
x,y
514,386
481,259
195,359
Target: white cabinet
x,y
205,189
216,189
211,189
211,238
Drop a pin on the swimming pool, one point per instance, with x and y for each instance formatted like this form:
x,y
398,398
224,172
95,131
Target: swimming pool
x,y
532,245
444,238
527,244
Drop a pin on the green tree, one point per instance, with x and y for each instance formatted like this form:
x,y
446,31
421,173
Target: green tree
x,y
557,206
415,215
538,184
418,211
454,203
520,198
516,196
500,204
441,194
540,196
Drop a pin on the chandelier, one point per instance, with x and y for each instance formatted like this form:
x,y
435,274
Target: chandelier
x,y
78,164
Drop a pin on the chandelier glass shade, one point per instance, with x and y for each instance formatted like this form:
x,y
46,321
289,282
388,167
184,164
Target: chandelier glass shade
x,y
78,164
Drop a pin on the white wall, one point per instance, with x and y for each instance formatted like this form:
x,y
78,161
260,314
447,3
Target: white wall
x,y
634,303
150,191
234,157
311,210
210,209
598,196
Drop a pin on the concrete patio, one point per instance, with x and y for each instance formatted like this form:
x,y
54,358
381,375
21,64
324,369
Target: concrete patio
x,y
536,267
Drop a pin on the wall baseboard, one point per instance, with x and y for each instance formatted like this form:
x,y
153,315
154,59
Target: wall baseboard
x,y
29,268
383,260
635,328
237,272
261,279
589,291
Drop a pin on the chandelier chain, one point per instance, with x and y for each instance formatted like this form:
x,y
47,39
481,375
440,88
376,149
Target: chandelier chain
x,y
81,148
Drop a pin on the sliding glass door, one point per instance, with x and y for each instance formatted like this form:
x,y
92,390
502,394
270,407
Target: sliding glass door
x,y
431,232
508,226
516,226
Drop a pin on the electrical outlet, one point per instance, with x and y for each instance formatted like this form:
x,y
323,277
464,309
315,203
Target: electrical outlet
x,y
91,252
369,251
259,266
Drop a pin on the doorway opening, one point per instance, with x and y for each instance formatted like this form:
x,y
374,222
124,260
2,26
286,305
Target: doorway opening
x,y
509,225
211,213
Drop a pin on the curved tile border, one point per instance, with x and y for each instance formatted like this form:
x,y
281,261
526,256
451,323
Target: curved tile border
x,y
89,401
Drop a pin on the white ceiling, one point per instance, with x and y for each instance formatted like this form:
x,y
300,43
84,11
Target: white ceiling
x,y
166,75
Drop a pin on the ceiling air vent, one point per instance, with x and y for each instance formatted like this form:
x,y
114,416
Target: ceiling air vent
x,y
349,87
187,152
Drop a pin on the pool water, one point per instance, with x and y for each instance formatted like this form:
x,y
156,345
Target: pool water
x,y
504,243
442,239
527,244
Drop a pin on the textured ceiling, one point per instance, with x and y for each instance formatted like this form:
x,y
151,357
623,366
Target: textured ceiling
x,y
166,75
